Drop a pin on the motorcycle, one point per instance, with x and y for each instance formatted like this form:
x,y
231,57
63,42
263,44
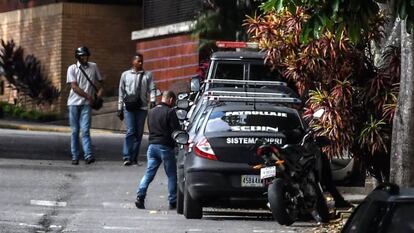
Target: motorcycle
x,y
292,174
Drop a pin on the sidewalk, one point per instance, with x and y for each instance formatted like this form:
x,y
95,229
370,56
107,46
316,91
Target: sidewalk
x,y
39,126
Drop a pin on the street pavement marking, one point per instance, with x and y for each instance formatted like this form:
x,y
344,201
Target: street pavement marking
x,y
125,205
194,230
30,225
48,203
121,228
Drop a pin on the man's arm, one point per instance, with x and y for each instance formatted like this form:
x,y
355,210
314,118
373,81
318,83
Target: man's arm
x,y
100,83
121,92
74,85
152,90
173,120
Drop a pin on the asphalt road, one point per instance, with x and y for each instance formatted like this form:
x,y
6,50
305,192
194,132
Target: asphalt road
x,y
54,145
54,196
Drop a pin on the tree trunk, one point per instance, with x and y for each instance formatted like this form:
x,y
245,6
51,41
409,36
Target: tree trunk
x,y
402,149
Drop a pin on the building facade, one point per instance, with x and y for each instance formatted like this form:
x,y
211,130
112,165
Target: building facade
x,y
52,32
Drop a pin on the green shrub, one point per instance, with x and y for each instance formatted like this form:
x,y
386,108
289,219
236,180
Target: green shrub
x,y
18,112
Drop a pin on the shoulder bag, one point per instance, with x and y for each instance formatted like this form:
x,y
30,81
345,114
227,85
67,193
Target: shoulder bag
x,y
97,101
133,102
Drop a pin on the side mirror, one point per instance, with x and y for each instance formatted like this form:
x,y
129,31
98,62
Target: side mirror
x,y
195,83
322,141
180,137
181,114
318,114
183,104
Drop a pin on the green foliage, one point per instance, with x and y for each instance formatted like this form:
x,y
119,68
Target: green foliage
x,y
353,17
335,74
25,73
14,111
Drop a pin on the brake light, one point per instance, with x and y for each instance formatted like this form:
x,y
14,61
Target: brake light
x,y
237,44
203,149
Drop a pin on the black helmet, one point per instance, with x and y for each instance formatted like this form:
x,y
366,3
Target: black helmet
x,y
82,51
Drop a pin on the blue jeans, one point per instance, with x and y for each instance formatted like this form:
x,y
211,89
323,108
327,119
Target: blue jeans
x,y
157,154
80,121
134,122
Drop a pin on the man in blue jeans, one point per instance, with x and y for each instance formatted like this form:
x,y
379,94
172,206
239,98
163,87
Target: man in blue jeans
x,y
134,86
80,98
162,121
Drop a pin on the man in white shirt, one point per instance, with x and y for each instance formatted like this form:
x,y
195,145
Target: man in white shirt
x,y
80,98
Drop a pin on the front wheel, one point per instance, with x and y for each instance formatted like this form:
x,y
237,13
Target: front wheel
x,y
279,203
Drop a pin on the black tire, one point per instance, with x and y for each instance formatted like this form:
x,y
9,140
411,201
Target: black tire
x,y
278,205
192,208
180,201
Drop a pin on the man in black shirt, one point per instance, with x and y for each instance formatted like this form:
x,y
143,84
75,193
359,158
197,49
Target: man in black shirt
x,y
162,121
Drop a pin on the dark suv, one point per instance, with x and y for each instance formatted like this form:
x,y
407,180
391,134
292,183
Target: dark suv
x,y
387,209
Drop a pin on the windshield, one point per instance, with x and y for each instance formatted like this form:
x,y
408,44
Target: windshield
x,y
252,121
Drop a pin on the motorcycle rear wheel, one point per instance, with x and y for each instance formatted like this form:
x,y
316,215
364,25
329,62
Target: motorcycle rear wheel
x,y
279,206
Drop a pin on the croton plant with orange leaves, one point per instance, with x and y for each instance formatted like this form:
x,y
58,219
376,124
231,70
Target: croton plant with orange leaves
x,y
338,75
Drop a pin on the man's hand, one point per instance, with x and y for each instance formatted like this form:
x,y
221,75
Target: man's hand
x,y
152,104
120,114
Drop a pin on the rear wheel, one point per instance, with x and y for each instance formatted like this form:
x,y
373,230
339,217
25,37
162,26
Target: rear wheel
x,y
192,208
279,203
180,201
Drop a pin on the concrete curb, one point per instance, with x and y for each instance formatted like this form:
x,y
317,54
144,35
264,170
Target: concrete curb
x,y
47,128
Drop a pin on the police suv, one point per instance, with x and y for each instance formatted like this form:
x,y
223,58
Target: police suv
x,y
216,167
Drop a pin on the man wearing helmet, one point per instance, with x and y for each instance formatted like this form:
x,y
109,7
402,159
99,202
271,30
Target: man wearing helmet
x,y
80,98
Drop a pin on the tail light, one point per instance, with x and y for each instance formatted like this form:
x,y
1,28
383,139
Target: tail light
x,y
203,149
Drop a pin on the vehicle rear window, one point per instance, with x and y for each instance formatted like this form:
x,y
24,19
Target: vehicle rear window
x,y
226,70
261,72
252,121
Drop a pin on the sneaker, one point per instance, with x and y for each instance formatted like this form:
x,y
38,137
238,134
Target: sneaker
x,y
139,203
90,160
127,162
172,206
75,162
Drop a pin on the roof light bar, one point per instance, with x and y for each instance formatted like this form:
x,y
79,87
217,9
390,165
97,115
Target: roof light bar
x,y
243,93
246,82
237,44
255,99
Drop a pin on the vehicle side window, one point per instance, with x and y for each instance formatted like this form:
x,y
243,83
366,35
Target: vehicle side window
x,y
402,219
368,218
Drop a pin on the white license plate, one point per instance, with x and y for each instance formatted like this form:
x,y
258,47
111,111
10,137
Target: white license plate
x,y
267,172
251,181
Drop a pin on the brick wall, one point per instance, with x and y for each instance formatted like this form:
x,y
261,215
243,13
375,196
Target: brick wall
x,y
173,60
52,32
